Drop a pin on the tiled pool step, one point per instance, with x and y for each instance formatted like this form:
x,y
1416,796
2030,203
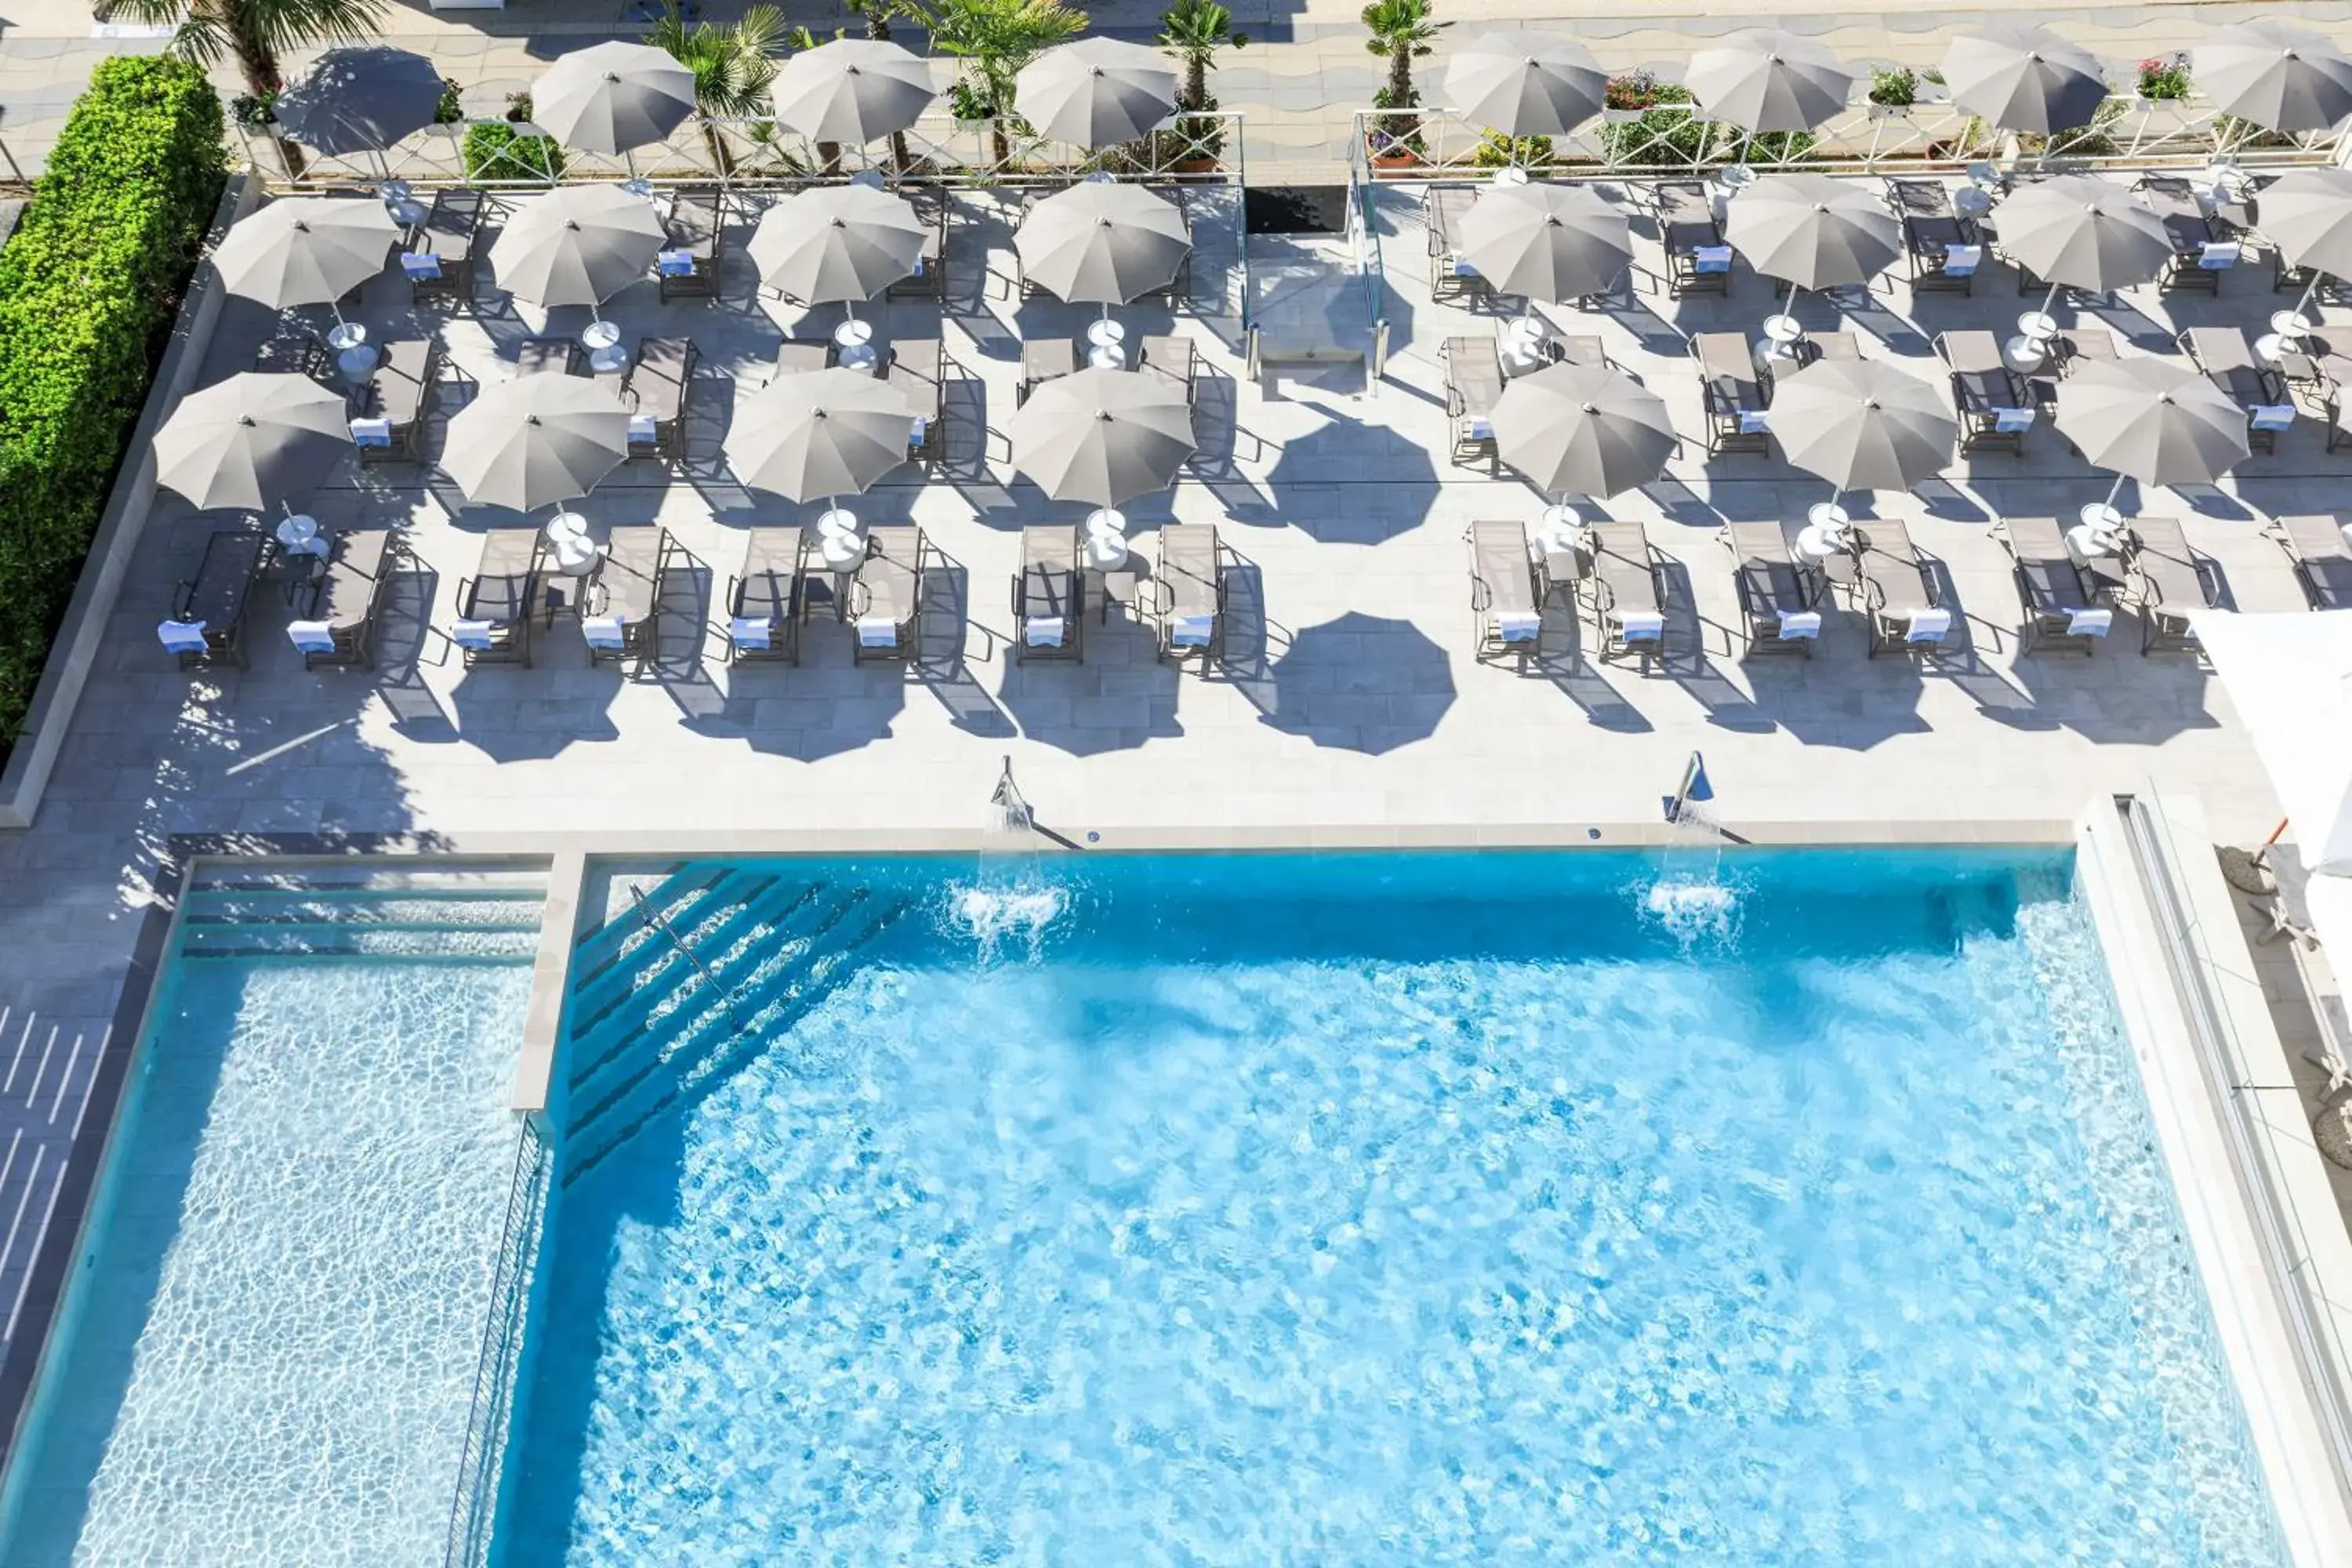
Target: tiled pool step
x,y
458,916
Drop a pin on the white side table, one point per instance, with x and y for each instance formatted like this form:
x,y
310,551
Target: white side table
x,y
853,333
1105,356
345,335
859,356
1781,335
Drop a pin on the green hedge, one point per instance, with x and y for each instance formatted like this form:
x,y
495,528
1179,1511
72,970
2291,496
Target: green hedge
x,y
89,283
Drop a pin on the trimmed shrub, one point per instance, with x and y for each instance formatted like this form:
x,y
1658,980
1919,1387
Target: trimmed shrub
x,y
496,151
89,286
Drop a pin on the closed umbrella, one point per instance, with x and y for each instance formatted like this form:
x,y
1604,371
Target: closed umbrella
x,y
611,98
305,250
2083,232
1765,79
1587,430
1102,243
1547,242
1097,92
360,98
820,433
254,435
1863,424
2150,421
2308,213
1103,435
836,243
853,90
535,441
2280,76
2024,77
1812,232
1525,84
577,245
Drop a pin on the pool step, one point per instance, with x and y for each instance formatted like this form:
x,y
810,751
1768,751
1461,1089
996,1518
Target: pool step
x,y
461,915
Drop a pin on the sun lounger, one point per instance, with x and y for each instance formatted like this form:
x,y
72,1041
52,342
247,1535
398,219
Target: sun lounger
x,y
295,354
1450,277
2321,555
918,369
1628,604
693,244
886,600
2084,345
1173,357
1887,580
655,394
1474,384
2164,580
1815,347
494,605
338,626
1504,604
2202,248
1736,396
1190,588
439,258
208,620
621,616
388,414
794,355
1698,259
765,601
1048,595
1044,360
1577,349
1996,406
2227,361
1775,599
548,356
2061,612
929,279
1944,248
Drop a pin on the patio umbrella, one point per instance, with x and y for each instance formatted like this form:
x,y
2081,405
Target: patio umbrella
x,y
836,243
1547,242
576,244
254,435
1097,92
2279,75
2024,77
2083,232
305,250
360,98
1863,424
1586,430
820,433
2307,215
1102,243
1812,232
853,90
2150,421
535,441
611,98
1525,84
1103,435
1764,79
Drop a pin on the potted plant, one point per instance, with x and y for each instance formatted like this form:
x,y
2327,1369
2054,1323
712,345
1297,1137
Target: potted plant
x,y
2164,76
994,38
1402,31
1893,91
1193,31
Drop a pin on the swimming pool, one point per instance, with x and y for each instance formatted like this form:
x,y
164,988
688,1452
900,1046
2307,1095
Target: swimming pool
x,y
1369,1209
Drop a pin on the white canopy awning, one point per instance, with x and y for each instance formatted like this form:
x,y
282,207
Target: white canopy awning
x,y
2290,678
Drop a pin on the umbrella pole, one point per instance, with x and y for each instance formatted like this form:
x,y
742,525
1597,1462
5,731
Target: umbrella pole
x,y
2114,490
2308,290
2050,299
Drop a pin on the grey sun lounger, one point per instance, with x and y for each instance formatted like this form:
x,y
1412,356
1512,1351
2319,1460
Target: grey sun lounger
x,y
885,606
2164,580
388,413
695,234
451,237
1474,384
2321,556
656,391
1044,360
2227,360
208,620
494,605
1944,248
1049,596
794,355
1775,600
765,601
2202,248
929,279
1996,406
1584,348
1449,277
1815,347
1887,580
1628,604
1698,259
1190,606
620,616
917,374
2060,614
338,629
546,356
1505,616
1735,395
1171,357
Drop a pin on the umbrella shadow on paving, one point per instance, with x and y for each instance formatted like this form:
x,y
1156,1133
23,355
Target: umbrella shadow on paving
x,y
1349,483
1653,333
1121,697
2116,695
510,713
1840,697
1358,683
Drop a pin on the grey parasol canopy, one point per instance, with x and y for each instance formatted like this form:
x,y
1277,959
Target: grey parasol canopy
x,y
853,90
2143,419
1099,242
1525,83
535,441
305,250
2080,231
1097,92
1764,79
1547,242
2280,76
1863,424
576,244
255,437
1587,430
2024,77
360,98
1813,231
835,243
611,98
1103,437
820,433
2307,215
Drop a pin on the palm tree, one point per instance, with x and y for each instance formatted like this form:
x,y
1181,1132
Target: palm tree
x,y
1193,31
1403,32
733,65
879,15
995,39
255,31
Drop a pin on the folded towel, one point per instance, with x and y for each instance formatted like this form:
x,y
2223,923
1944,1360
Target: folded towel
x,y
1192,631
1461,268
2218,255
312,636
2089,623
1711,258
644,428
2012,421
608,632
915,432
1801,625
478,636
750,631
2271,416
1043,631
918,266
877,631
1924,624
1479,427
182,637
1641,625
1755,421
674,263
419,265
371,432
1961,261
1518,626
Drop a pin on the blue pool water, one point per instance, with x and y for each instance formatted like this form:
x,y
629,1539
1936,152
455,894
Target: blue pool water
x,y
1387,1209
